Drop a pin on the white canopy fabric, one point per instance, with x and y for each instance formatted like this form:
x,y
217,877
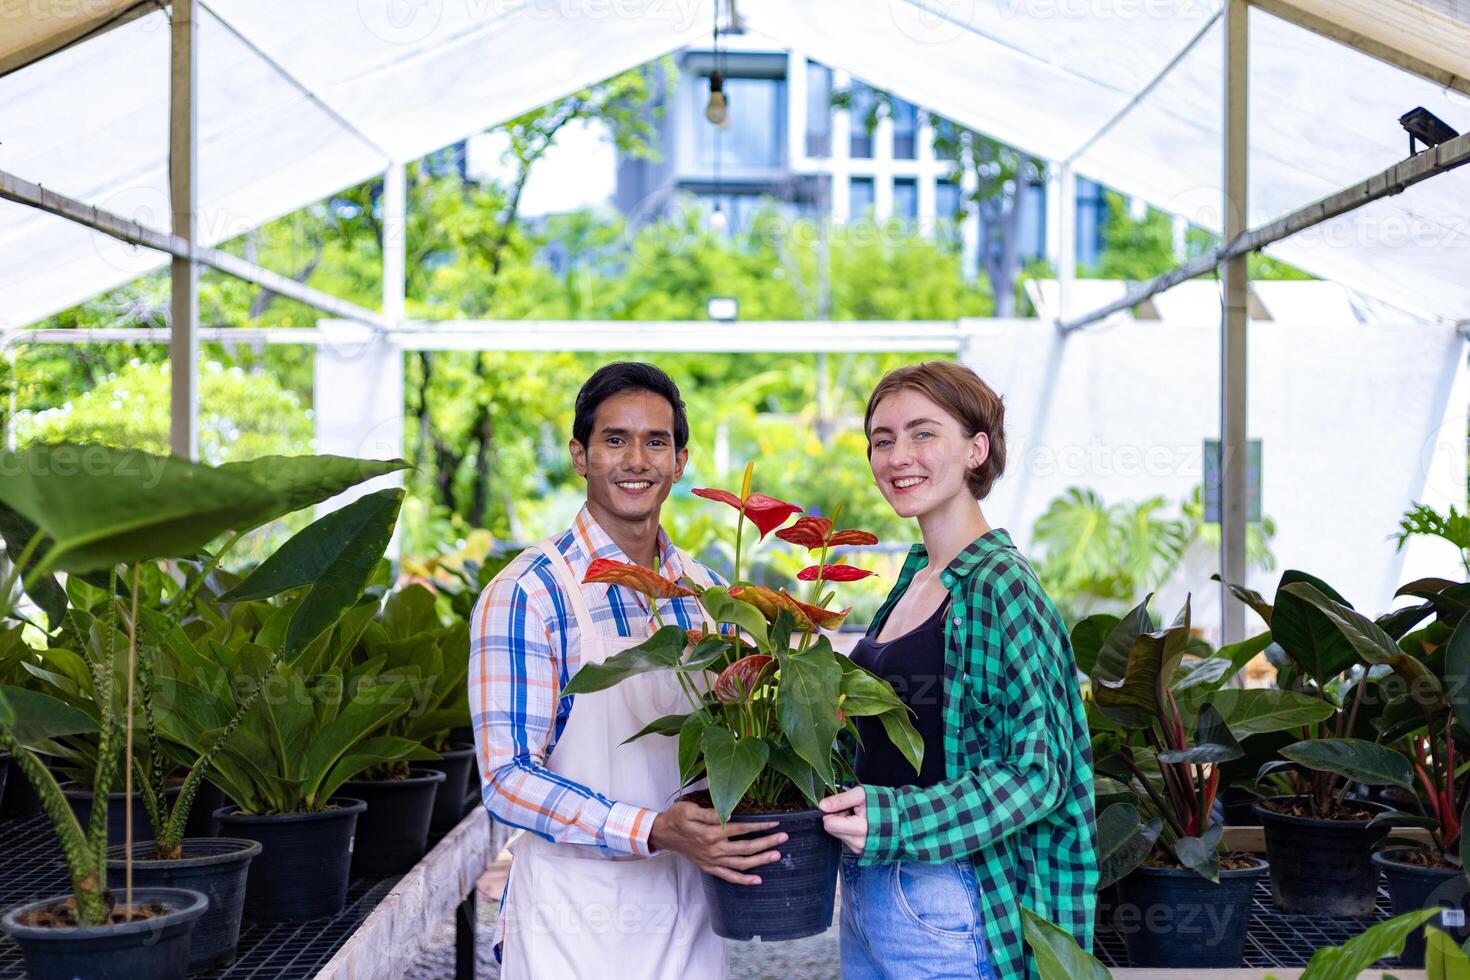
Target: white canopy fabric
x,y
298,100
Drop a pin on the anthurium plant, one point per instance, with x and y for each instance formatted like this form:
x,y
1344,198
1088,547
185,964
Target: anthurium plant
x,y
1163,729
767,693
101,515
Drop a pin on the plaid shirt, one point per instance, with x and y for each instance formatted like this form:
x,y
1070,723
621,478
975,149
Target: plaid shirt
x,y
524,644
1018,797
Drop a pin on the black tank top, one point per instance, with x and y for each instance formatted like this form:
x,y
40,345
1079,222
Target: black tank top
x,y
914,664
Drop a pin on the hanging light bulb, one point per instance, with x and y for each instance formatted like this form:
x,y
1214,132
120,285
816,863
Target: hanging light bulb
x,y
717,220
716,110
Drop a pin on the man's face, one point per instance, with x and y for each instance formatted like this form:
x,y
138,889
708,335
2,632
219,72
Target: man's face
x,y
629,460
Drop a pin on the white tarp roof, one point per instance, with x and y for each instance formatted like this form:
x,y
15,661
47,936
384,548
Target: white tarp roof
x,y
298,100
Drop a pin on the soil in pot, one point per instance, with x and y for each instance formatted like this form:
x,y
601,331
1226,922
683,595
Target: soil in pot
x,y
393,833
215,867
1415,881
301,870
457,764
157,946
1321,866
1171,917
80,800
796,895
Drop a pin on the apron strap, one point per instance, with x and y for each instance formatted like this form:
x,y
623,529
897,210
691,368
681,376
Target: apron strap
x,y
694,570
569,584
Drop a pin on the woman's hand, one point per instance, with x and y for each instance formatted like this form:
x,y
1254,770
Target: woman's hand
x,y
845,816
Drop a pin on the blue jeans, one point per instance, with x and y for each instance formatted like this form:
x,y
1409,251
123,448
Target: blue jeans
x,y
908,920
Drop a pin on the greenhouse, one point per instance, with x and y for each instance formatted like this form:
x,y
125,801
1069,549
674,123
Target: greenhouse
x,y
366,505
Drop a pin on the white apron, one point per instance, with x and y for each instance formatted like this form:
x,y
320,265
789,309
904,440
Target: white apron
x,y
572,912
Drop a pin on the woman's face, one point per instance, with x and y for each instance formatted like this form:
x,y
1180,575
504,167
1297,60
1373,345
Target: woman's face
x,y
920,453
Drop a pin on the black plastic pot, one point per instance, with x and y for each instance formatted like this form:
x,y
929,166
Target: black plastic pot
x,y
20,801
1235,804
301,870
1176,919
796,895
5,761
201,822
1322,867
157,948
1412,887
80,800
394,831
215,867
456,766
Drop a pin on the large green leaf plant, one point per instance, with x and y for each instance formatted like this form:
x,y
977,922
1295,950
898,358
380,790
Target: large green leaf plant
x,y
101,515
1163,728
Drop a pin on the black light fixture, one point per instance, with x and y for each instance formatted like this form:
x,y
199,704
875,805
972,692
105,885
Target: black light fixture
x,y
1425,127
717,109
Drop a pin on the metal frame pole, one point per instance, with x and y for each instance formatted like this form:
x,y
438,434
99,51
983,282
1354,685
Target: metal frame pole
x,y
1233,328
184,270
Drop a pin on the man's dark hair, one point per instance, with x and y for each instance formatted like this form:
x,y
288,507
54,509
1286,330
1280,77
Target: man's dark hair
x,y
621,376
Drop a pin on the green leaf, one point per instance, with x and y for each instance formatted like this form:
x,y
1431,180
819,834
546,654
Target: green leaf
x,y
103,506
865,693
1123,841
1378,942
1088,637
1250,597
690,760
1366,638
44,591
660,651
1111,663
1242,653
30,716
1305,634
1457,671
806,704
725,609
1058,957
301,481
798,770
904,736
1352,758
709,650
408,611
667,725
1443,957
335,555
1132,698
1201,854
1253,711
732,765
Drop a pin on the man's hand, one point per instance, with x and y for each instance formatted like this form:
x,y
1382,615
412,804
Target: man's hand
x,y
845,816
695,832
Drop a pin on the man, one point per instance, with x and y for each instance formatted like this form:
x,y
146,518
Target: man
x,y
603,879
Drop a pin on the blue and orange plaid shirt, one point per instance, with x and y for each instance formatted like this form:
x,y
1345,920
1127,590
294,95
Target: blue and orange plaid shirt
x,y
524,643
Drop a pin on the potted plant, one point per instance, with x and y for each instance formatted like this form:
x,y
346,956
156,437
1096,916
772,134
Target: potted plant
x,y
1163,847
281,719
85,509
187,850
1319,839
401,795
768,697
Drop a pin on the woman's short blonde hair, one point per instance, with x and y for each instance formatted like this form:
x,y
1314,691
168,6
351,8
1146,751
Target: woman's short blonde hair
x,y
961,393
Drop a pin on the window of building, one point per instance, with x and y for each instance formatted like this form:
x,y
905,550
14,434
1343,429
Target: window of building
x,y
905,129
1092,212
818,110
860,199
946,200
757,132
863,104
906,199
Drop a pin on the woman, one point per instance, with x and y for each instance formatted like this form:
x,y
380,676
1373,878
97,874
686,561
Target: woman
x,y
937,864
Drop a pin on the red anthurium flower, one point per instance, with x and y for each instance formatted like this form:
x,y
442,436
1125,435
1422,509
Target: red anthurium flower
x,y
833,573
634,577
770,602
737,681
766,513
813,533
852,536
696,637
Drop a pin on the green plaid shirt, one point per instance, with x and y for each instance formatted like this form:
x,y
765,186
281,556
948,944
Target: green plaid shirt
x,y
1018,793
